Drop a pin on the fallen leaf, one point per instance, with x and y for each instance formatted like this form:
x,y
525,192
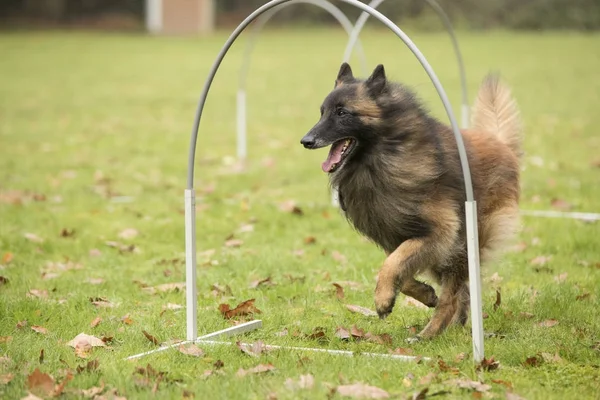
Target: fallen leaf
x,y
191,350
95,253
6,378
234,243
21,324
446,368
304,382
357,332
507,384
342,333
40,294
126,319
261,368
41,357
91,366
459,357
561,204
293,279
402,351
151,338
58,389
532,361
513,396
95,322
255,349
93,392
33,238
218,290
561,278
219,364
488,364
469,384
422,395
427,379
259,282
362,391
318,334
291,207
66,233
384,338
243,309
310,240
84,343
582,296
39,329
5,339
361,310
101,302
128,233
498,300
551,358
540,260
40,383
123,248
339,291
548,323
3,280
95,281
172,306
339,257
526,315
7,257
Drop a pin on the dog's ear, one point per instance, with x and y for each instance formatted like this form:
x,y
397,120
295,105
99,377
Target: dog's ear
x,y
377,82
345,75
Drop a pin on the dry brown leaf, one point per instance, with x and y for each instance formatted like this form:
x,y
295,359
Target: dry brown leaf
x,y
95,322
261,368
91,366
361,310
40,383
402,351
526,315
427,379
506,384
561,204
218,290
39,329
303,382
498,299
5,339
6,378
41,357
123,248
561,278
40,294
339,257
582,296
151,338
93,391
362,391
128,233
540,260
243,309
7,257
101,302
548,323
459,357
551,358
126,319
32,237
342,333
469,384
255,349
84,343
67,233
191,350
532,361
310,240
234,243
3,280
259,282
95,253
384,338
357,332
291,207
488,364
339,291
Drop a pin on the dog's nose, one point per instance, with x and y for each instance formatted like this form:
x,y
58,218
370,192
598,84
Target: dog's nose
x,y
308,142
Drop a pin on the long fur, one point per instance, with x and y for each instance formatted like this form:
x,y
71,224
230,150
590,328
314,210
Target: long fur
x,y
401,185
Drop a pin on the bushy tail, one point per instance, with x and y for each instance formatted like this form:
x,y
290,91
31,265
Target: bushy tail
x,y
495,111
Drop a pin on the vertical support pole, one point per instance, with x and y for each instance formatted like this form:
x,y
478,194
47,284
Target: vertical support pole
x,y
190,265
464,120
474,280
335,197
154,16
242,149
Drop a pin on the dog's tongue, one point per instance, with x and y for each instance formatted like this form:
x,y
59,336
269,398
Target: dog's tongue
x,y
334,157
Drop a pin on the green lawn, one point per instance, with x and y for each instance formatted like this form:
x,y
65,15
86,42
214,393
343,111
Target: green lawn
x,y
94,132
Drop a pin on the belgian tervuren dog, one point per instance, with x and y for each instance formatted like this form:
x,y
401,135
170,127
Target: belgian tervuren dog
x,y
400,184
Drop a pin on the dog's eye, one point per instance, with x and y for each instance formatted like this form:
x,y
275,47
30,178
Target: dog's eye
x,y
341,112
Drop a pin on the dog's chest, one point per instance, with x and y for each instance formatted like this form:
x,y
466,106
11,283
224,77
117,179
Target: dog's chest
x,y
386,218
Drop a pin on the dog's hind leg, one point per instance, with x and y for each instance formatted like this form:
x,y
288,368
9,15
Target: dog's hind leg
x,y
462,305
447,309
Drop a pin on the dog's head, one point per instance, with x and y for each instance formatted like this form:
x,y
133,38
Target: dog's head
x,y
350,117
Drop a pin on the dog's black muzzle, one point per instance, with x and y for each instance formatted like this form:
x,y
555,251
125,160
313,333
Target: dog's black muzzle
x,y
309,141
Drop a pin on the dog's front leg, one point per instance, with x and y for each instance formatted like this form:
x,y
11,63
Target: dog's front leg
x,y
397,274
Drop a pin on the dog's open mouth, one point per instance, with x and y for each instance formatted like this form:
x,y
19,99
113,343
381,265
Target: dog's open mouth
x,y
337,153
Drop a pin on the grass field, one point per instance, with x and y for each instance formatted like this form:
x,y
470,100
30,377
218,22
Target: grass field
x,y
94,132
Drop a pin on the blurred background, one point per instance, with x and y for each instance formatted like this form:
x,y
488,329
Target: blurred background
x,y
180,16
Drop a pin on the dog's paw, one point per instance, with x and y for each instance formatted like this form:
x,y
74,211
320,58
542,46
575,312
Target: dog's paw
x,y
384,303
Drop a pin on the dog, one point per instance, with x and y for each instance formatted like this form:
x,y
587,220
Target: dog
x,y
400,183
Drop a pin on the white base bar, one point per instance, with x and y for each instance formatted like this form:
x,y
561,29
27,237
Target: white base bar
x,y
242,147
328,351
465,111
234,330
559,214
474,280
190,265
